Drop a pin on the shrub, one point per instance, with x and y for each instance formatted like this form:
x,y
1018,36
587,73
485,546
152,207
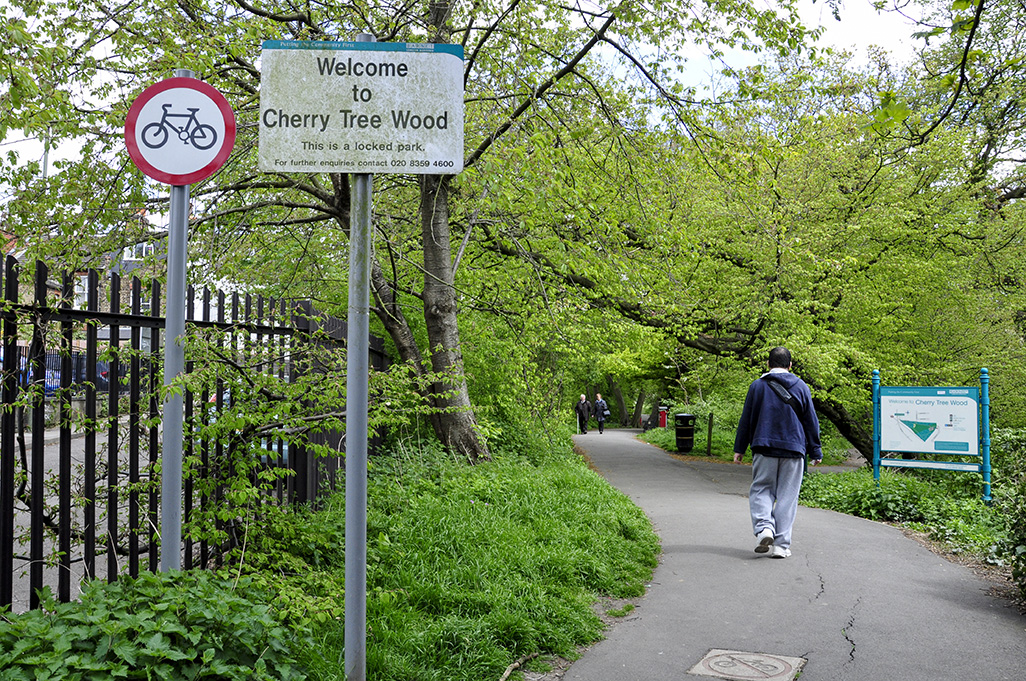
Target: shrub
x,y
856,493
947,507
176,625
1009,458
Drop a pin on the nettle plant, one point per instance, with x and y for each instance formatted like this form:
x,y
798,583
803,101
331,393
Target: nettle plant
x,y
175,625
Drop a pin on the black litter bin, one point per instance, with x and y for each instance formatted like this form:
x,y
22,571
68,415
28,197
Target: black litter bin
x,y
685,427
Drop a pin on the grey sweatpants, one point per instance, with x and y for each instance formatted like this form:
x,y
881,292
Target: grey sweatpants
x,y
773,497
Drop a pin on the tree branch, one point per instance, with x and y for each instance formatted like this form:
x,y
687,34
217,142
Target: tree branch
x,y
539,92
962,78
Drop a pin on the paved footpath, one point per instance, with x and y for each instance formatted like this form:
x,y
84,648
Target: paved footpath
x,y
857,599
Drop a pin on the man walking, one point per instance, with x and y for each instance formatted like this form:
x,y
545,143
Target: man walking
x,y
779,423
583,411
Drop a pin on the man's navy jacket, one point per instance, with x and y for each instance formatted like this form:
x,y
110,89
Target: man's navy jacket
x,y
768,423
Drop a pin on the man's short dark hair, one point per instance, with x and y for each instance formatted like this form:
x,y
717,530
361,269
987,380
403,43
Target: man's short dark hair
x,y
779,358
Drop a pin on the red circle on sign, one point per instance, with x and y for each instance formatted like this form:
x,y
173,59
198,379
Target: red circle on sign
x,y
206,164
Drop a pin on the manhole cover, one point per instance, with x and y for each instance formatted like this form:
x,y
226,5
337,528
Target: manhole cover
x,y
734,664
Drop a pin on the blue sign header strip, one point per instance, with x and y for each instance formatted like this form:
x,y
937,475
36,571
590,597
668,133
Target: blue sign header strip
x,y
935,465
959,391
436,48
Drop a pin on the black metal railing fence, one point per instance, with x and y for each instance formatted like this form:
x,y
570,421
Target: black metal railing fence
x,y
79,427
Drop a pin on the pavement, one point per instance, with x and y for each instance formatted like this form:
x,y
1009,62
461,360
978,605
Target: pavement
x,y
856,601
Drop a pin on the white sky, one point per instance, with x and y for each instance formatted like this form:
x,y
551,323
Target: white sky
x,y
862,26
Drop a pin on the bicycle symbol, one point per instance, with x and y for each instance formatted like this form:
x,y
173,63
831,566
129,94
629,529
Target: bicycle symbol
x,y
199,135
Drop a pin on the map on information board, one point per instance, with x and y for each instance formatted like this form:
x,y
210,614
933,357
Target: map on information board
x,y
930,420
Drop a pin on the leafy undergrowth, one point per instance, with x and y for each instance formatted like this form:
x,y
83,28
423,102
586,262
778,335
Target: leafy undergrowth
x,y
176,625
469,567
946,510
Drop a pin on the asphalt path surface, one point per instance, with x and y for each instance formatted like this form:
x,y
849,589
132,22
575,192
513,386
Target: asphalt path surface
x,y
857,600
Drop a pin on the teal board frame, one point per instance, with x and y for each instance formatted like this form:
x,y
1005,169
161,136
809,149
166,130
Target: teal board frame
x,y
927,433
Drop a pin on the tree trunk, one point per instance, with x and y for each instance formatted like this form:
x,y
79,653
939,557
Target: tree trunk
x,y
617,394
847,426
653,418
457,427
394,321
639,406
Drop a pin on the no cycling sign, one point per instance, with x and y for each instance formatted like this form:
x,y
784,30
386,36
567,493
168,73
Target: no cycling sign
x,y
361,107
179,131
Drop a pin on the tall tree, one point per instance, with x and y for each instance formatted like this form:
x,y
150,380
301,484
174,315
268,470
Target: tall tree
x,y
525,64
789,220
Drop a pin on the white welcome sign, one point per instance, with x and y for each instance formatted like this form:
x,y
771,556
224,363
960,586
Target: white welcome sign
x,y
361,107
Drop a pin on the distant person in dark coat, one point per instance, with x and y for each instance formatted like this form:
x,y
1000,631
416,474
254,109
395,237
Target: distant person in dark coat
x,y
601,409
781,434
583,411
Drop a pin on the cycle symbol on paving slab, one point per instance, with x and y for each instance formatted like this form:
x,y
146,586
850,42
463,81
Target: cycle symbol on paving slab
x,y
740,666
190,131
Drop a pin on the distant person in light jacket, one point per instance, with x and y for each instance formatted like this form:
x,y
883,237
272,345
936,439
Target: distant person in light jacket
x,y
780,434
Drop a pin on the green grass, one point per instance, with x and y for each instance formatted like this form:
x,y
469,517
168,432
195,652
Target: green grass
x,y
469,568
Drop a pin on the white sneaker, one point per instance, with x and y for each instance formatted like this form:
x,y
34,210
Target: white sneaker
x,y
780,552
765,538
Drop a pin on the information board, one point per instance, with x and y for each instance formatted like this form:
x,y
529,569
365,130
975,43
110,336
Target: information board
x,y
361,107
930,420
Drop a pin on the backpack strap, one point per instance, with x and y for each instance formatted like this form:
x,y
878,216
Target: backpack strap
x,y
788,398
784,394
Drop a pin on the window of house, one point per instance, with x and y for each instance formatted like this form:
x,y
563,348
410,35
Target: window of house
x,y
138,251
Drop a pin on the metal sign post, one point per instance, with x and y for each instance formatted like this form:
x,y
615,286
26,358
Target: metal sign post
x,y
357,368
360,107
172,423
178,131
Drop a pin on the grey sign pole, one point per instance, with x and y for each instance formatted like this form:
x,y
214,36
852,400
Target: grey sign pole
x,y
174,366
357,375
